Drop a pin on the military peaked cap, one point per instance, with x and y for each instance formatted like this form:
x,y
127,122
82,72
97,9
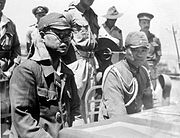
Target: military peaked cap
x,y
145,16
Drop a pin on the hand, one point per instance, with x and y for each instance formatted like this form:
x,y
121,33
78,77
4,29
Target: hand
x,y
99,76
78,122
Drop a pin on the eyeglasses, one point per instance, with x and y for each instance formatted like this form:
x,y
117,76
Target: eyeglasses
x,y
62,36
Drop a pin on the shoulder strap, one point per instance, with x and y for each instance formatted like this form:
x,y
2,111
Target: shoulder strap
x,y
147,73
134,83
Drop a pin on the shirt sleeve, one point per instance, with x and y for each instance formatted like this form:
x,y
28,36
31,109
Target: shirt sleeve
x,y
113,98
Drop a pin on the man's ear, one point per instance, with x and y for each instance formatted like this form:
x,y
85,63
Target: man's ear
x,y
129,54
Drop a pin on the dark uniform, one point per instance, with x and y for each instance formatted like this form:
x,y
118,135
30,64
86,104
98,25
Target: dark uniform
x,y
10,52
9,44
43,99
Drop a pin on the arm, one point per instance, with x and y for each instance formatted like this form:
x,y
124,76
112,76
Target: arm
x,y
75,104
24,104
113,97
15,50
148,91
157,50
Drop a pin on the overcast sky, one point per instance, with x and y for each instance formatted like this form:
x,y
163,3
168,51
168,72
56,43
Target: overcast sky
x,y
166,13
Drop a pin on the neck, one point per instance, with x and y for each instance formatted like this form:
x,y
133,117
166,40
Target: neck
x,y
54,58
82,7
146,32
109,25
133,63
55,63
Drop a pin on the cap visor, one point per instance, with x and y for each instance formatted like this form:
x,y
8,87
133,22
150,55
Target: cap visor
x,y
61,28
139,46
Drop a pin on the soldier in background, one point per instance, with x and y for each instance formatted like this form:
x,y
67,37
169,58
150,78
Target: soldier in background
x,y
111,31
10,50
154,53
31,34
84,23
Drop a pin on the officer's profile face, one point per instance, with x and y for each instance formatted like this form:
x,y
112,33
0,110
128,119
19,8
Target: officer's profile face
x,y
137,55
144,24
2,4
57,41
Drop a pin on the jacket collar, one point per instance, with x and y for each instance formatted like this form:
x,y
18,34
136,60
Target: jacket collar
x,y
4,20
48,69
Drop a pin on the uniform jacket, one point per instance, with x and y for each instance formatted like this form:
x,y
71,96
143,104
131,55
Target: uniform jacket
x,y
113,33
34,96
155,48
115,96
85,26
9,43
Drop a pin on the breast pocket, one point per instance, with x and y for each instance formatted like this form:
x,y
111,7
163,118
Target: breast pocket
x,y
46,94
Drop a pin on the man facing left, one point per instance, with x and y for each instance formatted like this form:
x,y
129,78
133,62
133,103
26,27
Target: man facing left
x,y
9,43
43,92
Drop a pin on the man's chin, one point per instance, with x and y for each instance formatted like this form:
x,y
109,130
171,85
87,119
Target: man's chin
x,y
63,53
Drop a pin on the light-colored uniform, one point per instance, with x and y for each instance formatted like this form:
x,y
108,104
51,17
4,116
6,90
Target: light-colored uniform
x,y
85,26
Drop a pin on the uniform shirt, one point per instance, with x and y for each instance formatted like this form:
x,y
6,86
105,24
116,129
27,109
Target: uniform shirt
x,y
112,33
9,43
85,26
31,35
155,48
33,96
114,95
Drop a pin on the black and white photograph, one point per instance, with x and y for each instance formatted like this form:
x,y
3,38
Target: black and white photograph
x,y
90,68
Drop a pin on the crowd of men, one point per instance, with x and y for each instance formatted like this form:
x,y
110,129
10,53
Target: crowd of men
x,y
68,53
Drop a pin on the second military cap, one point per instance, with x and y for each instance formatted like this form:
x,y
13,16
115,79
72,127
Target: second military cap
x,y
136,39
145,16
54,20
40,9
